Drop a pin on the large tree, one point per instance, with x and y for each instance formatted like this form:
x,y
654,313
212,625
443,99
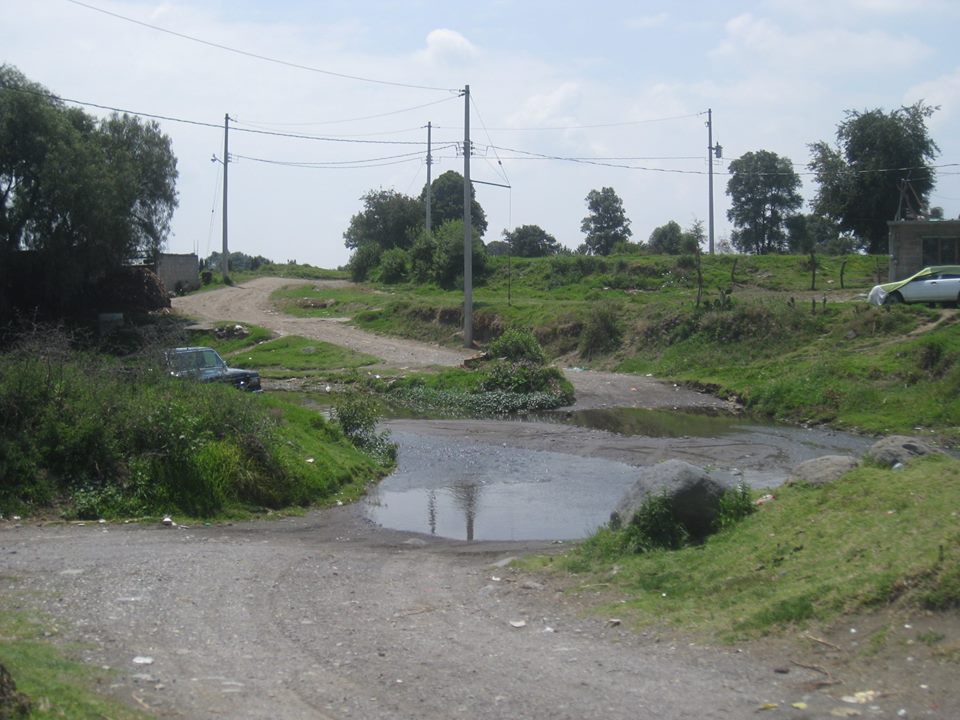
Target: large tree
x,y
607,224
389,219
86,196
860,179
764,191
446,202
531,241
666,239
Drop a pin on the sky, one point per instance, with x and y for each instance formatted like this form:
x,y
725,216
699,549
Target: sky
x,y
330,100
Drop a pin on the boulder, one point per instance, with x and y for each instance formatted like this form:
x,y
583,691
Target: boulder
x,y
694,494
822,470
898,449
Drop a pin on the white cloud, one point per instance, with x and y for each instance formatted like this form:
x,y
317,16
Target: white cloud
x,y
823,51
943,91
448,46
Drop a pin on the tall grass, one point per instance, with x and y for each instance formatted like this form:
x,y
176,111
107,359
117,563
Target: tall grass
x,y
101,439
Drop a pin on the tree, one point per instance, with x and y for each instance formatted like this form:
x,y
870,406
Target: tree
x,y
764,190
86,196
531,241
448,254
860,178
815,233
606,224
446,202
389,219
666,239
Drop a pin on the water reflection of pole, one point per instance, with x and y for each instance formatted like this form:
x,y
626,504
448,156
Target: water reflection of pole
x,y
432,511
467,498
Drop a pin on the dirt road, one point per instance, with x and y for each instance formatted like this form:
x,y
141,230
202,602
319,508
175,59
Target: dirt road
x,y
327,616
250,303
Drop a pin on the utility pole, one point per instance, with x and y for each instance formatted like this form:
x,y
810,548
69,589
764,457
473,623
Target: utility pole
x,y
467,229
712,150
429,163
225,257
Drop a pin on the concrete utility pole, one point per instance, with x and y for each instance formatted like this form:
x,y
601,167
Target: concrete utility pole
x,y
710,178
225,259
429,163
712,151
467,229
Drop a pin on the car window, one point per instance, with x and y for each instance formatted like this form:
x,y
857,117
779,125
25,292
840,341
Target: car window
x,y
209,359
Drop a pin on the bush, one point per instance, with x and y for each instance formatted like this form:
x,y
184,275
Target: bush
x,y
518,344
364,259
393,266
735,505
601,332
358,416
101,441
655,527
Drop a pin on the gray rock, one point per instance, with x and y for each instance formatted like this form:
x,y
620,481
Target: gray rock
x,y
898,449
822,470
693,493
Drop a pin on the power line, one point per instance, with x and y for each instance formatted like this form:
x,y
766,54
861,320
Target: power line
x,y
594,126
200,123
256,56
349,120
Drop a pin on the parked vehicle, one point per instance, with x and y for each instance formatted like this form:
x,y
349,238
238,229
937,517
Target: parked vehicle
x,y
935,284
206,365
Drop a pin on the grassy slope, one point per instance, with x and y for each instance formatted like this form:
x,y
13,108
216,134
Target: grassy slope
x,y
786,351
809,555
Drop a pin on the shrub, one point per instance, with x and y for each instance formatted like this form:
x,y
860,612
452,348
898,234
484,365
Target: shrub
x,y
393,266
601,332
518,344
735,505
357,416
654,526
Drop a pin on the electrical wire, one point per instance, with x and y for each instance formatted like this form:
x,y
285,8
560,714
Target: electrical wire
x,y
256,56
625,123
349,120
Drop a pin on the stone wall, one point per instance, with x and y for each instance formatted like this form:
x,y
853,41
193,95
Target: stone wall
x,y
179,271
907,237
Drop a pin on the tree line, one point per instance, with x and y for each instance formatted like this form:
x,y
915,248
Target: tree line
x,y
861,181
80,198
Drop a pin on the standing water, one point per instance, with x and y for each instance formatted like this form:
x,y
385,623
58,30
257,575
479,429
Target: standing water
x,y
466,479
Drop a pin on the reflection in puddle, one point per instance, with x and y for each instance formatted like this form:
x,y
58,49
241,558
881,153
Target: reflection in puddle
x,y
499,493
461,480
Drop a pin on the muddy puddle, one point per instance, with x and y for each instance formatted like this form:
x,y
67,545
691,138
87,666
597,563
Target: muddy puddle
x,y
558,477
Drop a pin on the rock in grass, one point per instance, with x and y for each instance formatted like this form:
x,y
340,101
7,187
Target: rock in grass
x,y
693,493
898,449
822,470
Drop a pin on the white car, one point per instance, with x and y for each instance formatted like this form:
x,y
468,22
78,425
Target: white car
x,y
935,284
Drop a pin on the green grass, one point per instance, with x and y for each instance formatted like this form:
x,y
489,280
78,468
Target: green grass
x,y
875,538
55,685
226,343
296,355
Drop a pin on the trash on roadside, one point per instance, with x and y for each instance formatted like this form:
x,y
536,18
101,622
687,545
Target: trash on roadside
x,y
143,660
168,521
862,697
613,622
764,499
767,706
518,623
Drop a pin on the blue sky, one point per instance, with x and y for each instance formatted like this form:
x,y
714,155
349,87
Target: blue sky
x,y
600,80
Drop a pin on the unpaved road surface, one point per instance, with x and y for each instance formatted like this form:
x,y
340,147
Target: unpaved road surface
x,y
327,616
250,303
